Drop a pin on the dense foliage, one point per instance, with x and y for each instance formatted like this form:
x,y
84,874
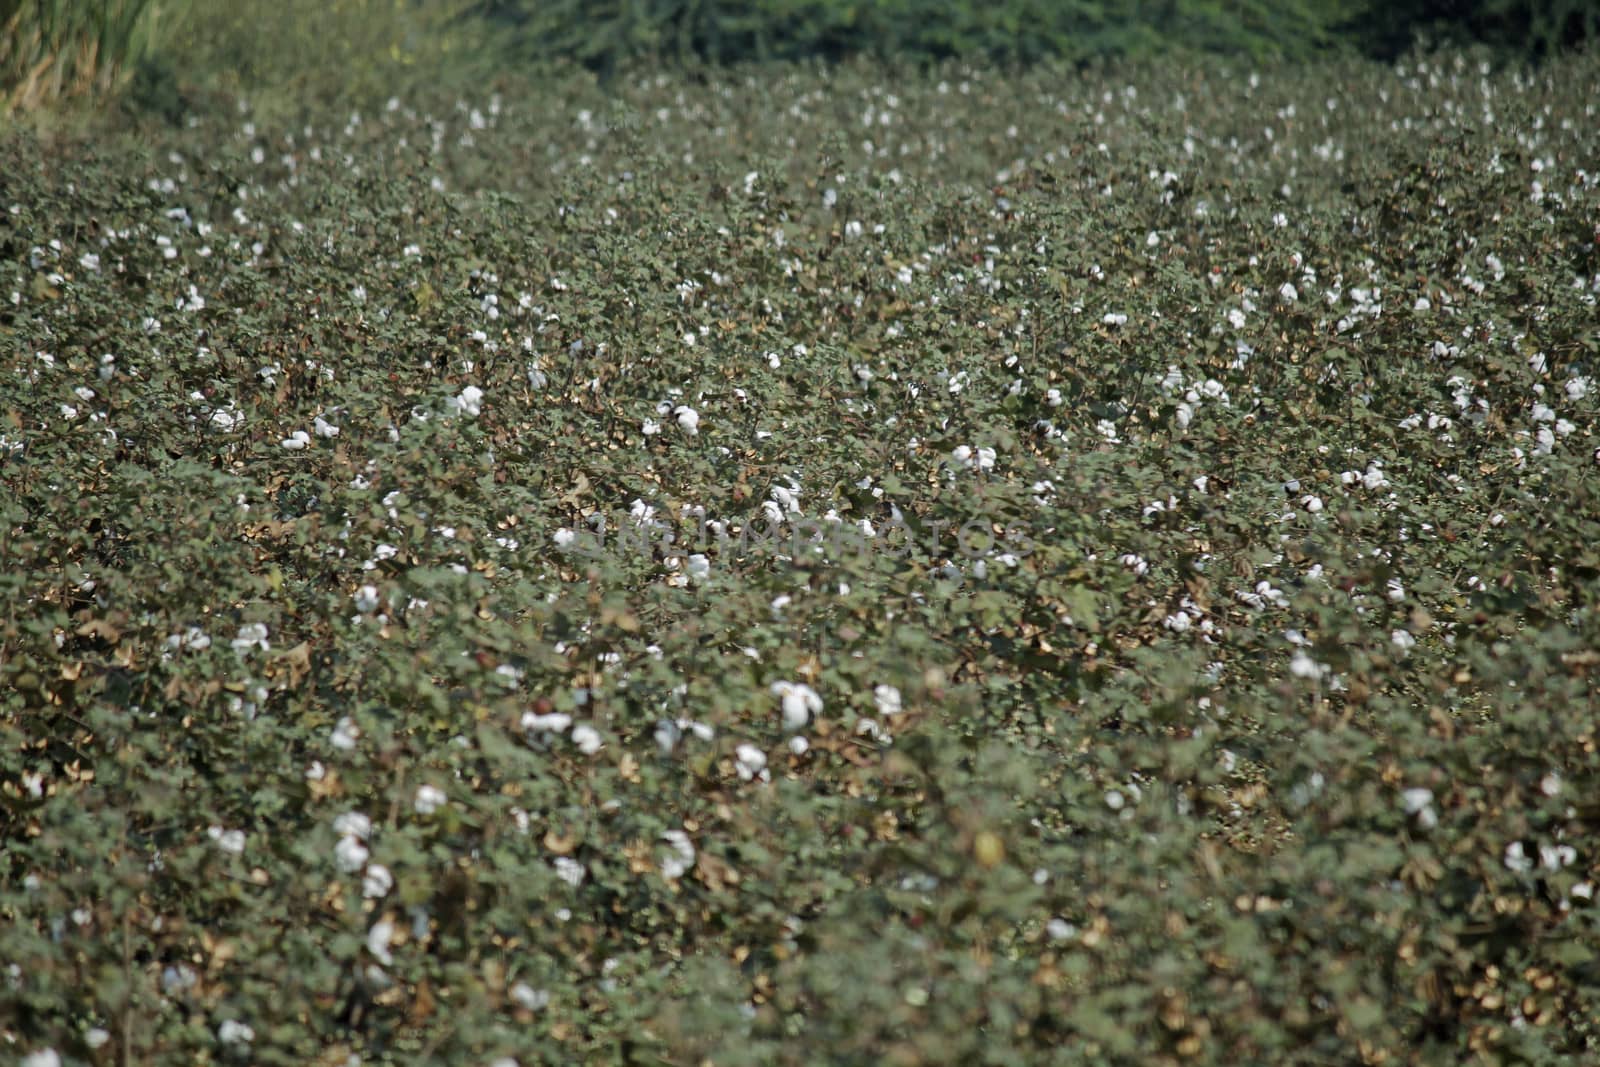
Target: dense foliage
x,y
1175,641
54,50
175,52
724,31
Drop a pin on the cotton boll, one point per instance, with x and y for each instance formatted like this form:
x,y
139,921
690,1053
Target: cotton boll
x,y
350,855
799,702
681,859
379,939
688,419
587,738
749,761
429,799
377,882
345,734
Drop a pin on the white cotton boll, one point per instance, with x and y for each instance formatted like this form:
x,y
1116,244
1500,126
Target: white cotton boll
x,y
688,419
353,824
682,857
469,402
530,998
350,855
251,637
888,700
233,1032
570,871
345,734
1414,800
986,459
366,599
667,735
799,703
587,738
377,882
962,455
749,761
1517,859
229,841
1303,666
699,567
298,441
324,428
379,939
799,746
650,427
1555,857
1287,293
554,723
428,800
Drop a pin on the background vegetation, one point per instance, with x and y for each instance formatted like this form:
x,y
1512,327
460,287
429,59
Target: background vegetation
x,y
176,52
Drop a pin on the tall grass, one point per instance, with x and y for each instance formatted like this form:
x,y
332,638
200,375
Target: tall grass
x,y
57,50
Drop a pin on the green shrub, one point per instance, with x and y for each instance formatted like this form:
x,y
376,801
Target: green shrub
x,y
1527,29
310,50
723,31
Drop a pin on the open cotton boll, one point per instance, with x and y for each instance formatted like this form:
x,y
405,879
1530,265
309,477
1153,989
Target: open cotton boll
x,y
429,799
799,702
469,402
750,762
350,855
688,419
587,738
681,859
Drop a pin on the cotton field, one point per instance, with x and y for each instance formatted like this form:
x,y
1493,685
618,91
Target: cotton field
x,y
812,568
